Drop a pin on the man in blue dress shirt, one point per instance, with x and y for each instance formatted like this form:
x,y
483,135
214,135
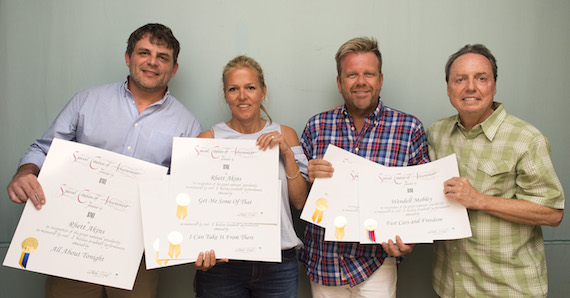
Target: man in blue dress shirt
x,y
137,117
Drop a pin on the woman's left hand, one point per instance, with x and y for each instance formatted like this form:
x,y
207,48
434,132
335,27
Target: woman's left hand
x,y
269,140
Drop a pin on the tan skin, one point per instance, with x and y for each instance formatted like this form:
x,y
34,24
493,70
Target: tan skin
x,y
471,89
359,82
243,93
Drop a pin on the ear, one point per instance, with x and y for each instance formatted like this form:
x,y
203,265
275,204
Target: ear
x,y
338,84
264,93
174,69
127,59
381,80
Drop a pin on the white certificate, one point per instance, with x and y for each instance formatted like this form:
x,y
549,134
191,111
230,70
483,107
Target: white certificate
x,y
90,227
333,202
175,237
369,203
409,202
223,195
229,176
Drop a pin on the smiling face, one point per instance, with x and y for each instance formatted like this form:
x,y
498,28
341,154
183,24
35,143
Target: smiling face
x,y
471,88
243,93
360,82
151,66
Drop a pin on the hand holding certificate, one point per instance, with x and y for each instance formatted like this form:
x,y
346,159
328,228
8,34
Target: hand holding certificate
x,y
370,203
89,229
222,194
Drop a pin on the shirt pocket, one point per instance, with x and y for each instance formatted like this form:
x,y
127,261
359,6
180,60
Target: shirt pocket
x,y
495,176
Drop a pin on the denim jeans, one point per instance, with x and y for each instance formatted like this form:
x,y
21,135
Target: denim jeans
x,y
250,279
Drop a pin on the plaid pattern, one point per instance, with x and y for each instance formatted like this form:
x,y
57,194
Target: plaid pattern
x,y
504,157
388,137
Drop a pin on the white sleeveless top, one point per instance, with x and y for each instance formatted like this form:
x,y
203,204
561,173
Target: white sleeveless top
x,y
288,237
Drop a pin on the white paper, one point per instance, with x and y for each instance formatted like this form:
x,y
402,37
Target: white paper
x,y
232,240
223,195
90,227
409,202
333,202
232,176
369,203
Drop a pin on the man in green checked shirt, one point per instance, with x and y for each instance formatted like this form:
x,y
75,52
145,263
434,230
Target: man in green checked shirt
x,y
508,185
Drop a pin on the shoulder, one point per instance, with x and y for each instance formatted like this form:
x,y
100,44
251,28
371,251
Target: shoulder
x,y
326,116
208,134
517,125
399,116
181,110
441,125
101,91
290,135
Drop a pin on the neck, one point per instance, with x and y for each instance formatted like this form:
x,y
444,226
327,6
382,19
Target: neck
x,y
246,127
144,98
469,120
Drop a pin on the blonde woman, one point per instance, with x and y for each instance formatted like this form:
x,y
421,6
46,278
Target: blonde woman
x,y
244,92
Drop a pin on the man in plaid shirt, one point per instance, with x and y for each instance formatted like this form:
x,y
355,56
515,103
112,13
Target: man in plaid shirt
x,y
368,128
508,185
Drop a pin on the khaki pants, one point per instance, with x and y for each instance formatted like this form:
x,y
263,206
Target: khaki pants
x,y
382,283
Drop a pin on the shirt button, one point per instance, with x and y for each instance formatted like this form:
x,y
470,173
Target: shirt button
x,y
456,273
356,149
129,148
136,124
352,128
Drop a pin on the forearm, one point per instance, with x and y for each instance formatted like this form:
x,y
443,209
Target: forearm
x,y
297,186
520,211
26,169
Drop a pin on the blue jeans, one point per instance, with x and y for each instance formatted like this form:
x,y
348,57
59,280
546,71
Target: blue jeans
x,y
250,279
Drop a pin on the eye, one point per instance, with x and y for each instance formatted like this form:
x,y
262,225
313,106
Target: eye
x,y
231,89
164,58
351,75
251,87
370,75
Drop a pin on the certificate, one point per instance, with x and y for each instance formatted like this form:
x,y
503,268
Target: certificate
x,y
409,202
173,238
229,176
333,201
222,195
369,203
90,227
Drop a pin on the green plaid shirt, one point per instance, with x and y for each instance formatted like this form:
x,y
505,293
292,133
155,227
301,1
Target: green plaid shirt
x,y
504,157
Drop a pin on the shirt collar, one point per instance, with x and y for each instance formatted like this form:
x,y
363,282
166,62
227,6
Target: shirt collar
x,y
490,126
375,115
126,92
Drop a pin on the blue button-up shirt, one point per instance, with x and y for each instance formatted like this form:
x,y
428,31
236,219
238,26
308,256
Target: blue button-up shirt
x,y
107,117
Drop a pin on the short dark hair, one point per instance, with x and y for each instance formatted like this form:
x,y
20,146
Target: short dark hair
x,y
358,45
159,34
475,49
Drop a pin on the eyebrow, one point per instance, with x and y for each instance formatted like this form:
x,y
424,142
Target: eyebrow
x,y
148,50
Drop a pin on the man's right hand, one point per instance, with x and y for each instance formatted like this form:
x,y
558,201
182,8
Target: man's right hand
x,y
319,168
25,186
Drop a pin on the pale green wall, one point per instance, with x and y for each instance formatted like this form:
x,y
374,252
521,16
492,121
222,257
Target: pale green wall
x,y
51,49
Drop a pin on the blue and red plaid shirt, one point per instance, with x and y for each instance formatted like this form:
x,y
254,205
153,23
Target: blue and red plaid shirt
x,y
388,137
